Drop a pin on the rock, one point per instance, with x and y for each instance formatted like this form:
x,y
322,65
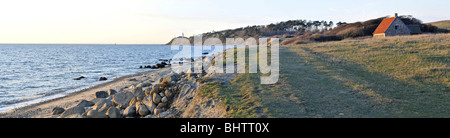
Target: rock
x,y
79,78
161,105
99,104
168,93
111,92
113,112
155,89
75,116
130,111
102,79
170,77
148,101
142,109
85,103
161,94
156,98
101,94
133,102
122,99
71,111
138,92
157,111
104,108
96,114
164,99
57,110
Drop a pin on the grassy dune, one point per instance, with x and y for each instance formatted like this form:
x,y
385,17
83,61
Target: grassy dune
x,y
403,76
442,24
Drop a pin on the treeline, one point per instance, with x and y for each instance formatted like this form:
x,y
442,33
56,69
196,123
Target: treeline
x,y
293,27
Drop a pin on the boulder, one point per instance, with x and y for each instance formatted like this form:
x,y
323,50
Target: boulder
x,y
122,99
71,111
100,103
138,92
104,108
148,102
85,103
155,89
164,99
161,105
156,98
157,111
103,79
133,102
113,112
142,109
57,110
130,111
96,114
171,77
101,94
168,93
111,92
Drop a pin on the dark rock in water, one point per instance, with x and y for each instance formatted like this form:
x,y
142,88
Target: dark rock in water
x,y
101,94
57,110
102,79
153,67
205,53
79,78
159,66
163,63
141,67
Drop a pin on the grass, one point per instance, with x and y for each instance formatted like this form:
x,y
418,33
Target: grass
x,y
442,24
404,76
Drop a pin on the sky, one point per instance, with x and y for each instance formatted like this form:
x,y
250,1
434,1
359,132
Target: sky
x,y
158,21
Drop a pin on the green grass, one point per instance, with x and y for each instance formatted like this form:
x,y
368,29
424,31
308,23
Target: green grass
x,y
405,76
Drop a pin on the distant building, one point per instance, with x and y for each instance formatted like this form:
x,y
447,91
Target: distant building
x,y
394,26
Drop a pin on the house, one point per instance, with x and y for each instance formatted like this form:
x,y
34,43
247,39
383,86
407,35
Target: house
x,y
394,26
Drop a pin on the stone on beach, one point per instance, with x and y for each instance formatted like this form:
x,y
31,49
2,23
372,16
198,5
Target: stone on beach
x,y
164,99
74,110
122,99
113,112
111,92
156,98
142,109
99,104
101,94
85,103
57,110
96,114
130,111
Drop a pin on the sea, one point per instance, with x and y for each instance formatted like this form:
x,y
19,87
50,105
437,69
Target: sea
x,y
32,73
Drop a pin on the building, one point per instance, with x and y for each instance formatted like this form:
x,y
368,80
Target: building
x,y
394,26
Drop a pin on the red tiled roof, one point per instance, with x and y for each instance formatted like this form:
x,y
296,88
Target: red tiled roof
x,y
384,25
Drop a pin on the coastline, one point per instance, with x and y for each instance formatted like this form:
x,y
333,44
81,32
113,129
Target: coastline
x,y
43,109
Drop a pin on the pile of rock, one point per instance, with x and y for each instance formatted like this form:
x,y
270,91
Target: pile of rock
x,y
162,64
141,100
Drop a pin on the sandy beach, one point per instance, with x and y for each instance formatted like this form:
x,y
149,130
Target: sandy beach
x,y
44,109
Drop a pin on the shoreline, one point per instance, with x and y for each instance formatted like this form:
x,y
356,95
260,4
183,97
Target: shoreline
x,y
43,109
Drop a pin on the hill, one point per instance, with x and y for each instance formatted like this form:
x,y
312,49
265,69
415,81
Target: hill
x,y
441,24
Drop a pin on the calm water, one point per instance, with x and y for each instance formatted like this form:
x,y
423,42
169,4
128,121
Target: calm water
x,y
30,73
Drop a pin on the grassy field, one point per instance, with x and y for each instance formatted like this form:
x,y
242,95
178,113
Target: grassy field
x,y
402,76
